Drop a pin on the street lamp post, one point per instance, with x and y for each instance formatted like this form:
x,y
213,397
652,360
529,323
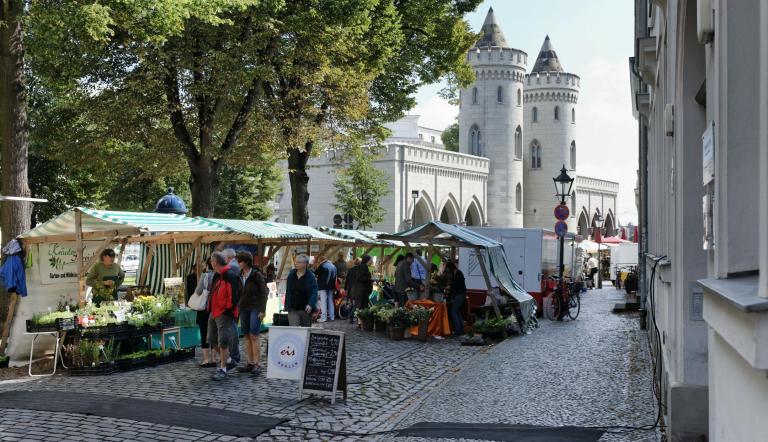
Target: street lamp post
x,y
599,235
415,196
563,184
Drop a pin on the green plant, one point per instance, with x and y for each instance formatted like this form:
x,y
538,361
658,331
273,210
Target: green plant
x,y
3,358
141,354
88,353
50,318
419,313
364,314
399,317
383,314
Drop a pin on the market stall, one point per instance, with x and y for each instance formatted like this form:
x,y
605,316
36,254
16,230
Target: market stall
x,y
493,263
368,242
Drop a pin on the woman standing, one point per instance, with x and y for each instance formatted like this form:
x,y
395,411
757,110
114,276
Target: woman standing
x,y
300,293
204,285
362,284
105,277
458,293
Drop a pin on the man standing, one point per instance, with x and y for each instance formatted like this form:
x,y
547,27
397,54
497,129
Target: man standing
x,y
253,306
418,272
234,350
360,284
300,293
326,286
341,266
404,279
592,266
222,306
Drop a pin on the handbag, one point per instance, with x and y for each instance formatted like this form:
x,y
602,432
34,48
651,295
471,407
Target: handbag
x,y
198,302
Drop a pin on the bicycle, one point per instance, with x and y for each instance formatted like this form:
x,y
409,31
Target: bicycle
x,y
563,301
344,307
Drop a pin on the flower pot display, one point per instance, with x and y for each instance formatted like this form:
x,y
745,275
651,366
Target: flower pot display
x,y
380,326
396,332
368,324
102,369
494,329
423,330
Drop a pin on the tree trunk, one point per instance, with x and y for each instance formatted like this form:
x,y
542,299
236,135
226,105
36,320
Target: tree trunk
x,y
299,179
204,185
14,136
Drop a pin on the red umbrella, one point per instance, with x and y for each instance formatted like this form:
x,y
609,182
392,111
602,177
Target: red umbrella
x,y
636,238
624,233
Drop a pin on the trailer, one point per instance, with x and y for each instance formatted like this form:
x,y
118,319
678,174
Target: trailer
x,y
532,255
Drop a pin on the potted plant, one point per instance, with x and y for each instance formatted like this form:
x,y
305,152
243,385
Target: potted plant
x,y
4,361
420,317
51,322
91,358
366,317
398,322
493,328
382,316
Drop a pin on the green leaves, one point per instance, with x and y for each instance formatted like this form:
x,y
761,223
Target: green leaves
x,y
359,189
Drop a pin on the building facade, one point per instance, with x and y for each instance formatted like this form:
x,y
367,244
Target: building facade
x,y
701,99
516,130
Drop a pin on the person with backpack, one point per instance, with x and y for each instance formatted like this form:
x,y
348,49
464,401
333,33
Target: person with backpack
x,y
253,308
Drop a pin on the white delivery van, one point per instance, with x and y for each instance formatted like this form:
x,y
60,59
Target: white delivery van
x,y
531,256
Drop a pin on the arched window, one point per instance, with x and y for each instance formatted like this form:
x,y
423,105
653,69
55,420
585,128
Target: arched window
x,y
557,113
519,97
535,115
573,155
499,95
535,155
475,141
518,143
519,197
474,95
573,204
573,115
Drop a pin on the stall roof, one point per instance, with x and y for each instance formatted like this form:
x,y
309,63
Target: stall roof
x,y
275,230
361,237
441,234
122,223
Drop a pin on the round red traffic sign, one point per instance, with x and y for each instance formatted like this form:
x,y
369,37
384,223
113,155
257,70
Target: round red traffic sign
x,y
561,228
562,212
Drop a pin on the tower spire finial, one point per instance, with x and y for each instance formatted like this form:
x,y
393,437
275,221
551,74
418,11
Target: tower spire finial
x,y
547,60
492,35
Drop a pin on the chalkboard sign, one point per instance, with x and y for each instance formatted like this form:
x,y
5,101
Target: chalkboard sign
x,y
324,364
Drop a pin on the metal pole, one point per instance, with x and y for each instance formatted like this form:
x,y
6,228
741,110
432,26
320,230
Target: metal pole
x,y
561,265
413,218
600,263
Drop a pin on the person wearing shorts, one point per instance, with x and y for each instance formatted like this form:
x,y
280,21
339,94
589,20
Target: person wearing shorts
x,y
253,306
223,307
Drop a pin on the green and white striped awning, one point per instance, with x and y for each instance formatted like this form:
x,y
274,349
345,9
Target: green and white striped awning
x,y
125,223
274,230
361,237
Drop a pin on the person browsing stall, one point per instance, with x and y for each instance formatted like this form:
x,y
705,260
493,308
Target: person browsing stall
x,y
458,294
223,308
300,293
361,284
326,286
253,307
404,279
105,277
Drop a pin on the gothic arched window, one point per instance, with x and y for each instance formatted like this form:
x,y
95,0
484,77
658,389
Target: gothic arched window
x,y
557,113
535,112
519,97
535,155
519,197
474,95
573,155
573,203
475,141
499,95
518,143
573,115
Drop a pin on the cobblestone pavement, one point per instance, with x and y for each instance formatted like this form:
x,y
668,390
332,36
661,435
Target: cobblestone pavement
x,y
593,371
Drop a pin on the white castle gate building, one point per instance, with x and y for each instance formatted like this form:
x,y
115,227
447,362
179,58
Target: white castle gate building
x,y
516,130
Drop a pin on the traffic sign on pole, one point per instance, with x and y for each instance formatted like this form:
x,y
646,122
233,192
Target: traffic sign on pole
x,y
561,228
562,212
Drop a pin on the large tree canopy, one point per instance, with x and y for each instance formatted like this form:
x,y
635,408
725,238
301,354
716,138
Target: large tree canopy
x,y
187,88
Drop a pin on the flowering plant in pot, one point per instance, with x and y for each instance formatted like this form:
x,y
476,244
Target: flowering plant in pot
x,y
419,316
399,320
382,315
366,317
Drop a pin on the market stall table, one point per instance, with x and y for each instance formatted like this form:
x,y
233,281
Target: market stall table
x,y
438,321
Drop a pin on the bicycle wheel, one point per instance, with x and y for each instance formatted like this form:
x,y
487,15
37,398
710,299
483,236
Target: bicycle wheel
x,y
574,306
551,307
345,309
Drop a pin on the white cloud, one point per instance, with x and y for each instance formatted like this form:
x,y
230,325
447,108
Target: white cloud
x,y
436,113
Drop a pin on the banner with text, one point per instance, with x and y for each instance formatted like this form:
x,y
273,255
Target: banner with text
x,y
57,261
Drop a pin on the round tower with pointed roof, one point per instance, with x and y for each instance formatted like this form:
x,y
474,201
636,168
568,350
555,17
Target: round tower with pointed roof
x,y
550,95
491,121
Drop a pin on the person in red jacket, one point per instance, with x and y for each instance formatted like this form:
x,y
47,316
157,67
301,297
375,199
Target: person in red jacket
x,y
222,305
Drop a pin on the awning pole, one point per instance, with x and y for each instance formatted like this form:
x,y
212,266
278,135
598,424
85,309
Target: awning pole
x,y
79,249
145,268
174,270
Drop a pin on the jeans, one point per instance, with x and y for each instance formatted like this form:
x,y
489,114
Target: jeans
x,y
456,319
326,305
250,323
234,346
299,318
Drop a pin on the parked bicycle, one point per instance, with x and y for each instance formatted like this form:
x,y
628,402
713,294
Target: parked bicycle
x,y
564,300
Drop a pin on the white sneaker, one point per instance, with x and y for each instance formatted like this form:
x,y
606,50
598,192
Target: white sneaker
x,y
321,320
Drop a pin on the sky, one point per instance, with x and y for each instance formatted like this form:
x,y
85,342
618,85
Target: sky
x,y
593,39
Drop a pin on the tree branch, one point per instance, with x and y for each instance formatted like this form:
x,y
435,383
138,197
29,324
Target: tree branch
x,y
171,81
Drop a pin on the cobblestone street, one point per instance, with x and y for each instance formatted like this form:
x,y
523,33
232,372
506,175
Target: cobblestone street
x,y
591,372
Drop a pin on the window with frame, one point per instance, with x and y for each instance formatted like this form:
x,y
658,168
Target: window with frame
x,y
535,114
475,141
557,113
500,95
573,155
474,95
535,155
518,143
519,97
518,197
573,115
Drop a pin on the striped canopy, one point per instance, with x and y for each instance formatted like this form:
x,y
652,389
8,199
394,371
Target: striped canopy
x,y
274,230
125,223
361,237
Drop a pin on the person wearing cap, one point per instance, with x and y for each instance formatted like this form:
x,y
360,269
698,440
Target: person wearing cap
x,y
105,277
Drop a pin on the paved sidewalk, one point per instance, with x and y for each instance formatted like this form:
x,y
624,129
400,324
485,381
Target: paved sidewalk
x,y
593,371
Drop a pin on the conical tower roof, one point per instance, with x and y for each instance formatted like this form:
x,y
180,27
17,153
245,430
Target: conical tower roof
x,y
492,35
547,60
